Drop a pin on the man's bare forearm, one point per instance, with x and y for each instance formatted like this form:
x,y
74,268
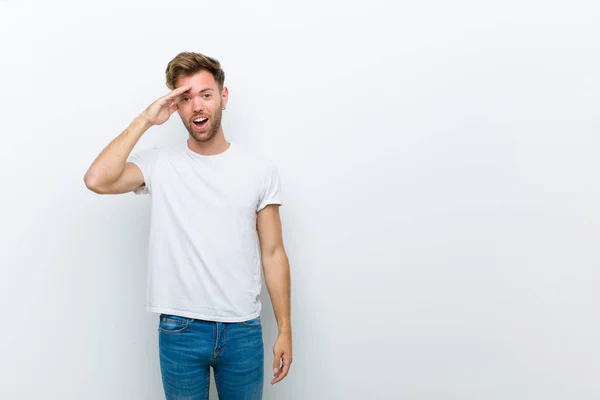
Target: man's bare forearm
x,y
110,163
277,277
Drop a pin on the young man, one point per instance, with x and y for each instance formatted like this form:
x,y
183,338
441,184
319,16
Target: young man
x,y
214,223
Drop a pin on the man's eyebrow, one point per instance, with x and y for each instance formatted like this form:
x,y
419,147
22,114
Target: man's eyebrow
x,y
187,92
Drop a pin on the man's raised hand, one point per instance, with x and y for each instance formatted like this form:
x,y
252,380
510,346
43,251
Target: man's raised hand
x,y
159,112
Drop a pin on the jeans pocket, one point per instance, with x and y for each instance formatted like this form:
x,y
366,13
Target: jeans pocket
x,y
173,323
252,322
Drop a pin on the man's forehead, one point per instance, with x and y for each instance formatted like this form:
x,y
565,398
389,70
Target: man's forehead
x,y
199,81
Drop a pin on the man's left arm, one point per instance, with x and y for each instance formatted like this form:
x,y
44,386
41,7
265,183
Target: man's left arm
x,y
277,277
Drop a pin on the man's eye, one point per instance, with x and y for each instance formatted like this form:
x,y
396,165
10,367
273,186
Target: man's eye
x,y
207,95
185,98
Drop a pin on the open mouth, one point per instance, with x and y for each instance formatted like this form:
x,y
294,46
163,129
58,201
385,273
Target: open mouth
x,y
200,123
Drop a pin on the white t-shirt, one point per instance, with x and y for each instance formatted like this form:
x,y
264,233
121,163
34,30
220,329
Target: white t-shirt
x,y
204,254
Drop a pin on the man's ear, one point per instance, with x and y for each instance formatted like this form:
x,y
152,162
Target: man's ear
x,y
225,96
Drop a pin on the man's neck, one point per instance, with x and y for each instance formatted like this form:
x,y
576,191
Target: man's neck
x,y
217,145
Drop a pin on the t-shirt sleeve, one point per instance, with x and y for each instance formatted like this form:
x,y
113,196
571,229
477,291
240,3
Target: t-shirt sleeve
x,y
146,161
271,190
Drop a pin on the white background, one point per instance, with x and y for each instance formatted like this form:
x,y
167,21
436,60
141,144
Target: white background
x,y
440,170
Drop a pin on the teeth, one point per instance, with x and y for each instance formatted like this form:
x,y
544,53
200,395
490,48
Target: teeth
x,y
200,119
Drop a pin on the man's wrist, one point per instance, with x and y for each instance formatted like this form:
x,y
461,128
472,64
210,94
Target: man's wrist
x,y
142,120
285,329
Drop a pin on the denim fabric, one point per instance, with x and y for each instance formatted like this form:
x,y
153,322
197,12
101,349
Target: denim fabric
x,y
188,347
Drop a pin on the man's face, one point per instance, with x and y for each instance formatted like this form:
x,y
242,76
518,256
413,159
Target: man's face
x,y
203,103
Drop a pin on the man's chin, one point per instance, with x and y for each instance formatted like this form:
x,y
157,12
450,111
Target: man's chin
x,y
202,136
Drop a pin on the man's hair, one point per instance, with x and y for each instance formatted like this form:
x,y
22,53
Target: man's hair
x,y
188,63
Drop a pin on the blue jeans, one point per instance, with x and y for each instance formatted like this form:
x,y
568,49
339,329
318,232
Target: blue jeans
x,y
188,347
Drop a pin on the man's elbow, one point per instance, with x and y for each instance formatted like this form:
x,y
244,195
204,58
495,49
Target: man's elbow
x,y
275,257
91,182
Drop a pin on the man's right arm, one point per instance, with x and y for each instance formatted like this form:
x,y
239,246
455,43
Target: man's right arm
x,y
110,173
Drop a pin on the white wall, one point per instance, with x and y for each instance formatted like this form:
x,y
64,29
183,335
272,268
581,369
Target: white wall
x,y
441,192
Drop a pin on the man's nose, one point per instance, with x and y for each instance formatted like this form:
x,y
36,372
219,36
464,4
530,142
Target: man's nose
x,y
197,103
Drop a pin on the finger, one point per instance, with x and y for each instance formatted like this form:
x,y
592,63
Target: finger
x,y
285,364
283,373
177,91
173,108
277,363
